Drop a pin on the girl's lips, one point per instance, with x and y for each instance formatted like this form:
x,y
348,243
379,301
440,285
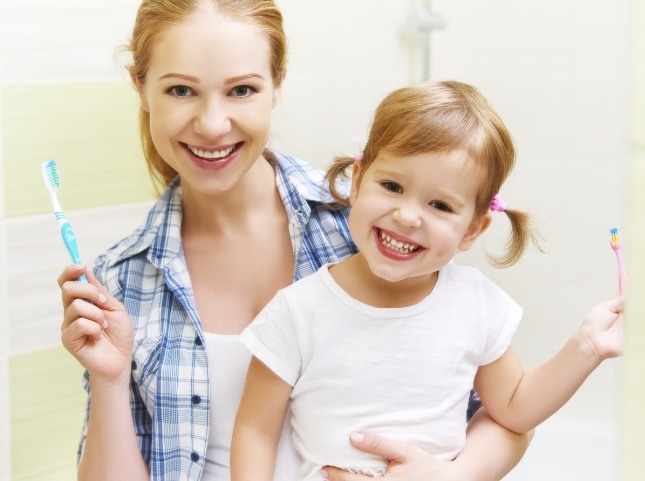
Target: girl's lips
x,y
390,244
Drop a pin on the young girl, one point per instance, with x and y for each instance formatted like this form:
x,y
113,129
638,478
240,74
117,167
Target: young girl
x,y
235,223
392,339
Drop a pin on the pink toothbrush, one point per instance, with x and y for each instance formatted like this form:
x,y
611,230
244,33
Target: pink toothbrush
x,y
616,244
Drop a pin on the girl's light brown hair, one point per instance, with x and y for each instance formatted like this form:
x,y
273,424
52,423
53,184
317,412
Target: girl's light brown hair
x,y
154,17
443,116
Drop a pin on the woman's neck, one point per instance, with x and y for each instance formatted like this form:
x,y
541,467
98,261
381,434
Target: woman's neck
x,y
235,210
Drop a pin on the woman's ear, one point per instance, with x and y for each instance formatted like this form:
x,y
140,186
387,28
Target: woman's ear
x,y
477,228
277,90
139,86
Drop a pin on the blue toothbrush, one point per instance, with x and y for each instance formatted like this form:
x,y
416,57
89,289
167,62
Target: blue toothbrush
x,y
52,182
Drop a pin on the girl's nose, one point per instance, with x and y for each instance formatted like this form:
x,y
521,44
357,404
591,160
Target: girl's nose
x,y
212,120
407,214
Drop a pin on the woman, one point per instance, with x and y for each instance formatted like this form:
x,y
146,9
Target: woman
x,y
236,223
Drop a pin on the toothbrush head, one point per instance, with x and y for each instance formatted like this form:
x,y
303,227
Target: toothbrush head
x,y
50,176
614,238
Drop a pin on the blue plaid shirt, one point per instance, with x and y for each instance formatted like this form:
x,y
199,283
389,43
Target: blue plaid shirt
x,y
169,389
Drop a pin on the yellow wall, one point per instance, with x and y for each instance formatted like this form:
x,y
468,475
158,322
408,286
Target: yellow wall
x,y
633,419
47,409
89,129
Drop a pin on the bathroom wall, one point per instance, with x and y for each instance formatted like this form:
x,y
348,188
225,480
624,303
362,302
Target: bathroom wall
x,y
565,75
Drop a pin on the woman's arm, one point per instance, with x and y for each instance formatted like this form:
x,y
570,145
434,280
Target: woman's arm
x,y
489,454
99,335
258,424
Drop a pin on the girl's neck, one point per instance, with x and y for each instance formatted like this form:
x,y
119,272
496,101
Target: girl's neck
x,y
356,279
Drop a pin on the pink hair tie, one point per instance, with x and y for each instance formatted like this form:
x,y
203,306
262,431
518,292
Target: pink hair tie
x,y
497,204
358,157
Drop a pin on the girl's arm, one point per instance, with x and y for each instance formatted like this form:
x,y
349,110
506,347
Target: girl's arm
x,y
99,335
258,424
520,401
491,451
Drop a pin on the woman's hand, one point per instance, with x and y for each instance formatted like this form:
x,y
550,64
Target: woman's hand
x,y
407,462
96,328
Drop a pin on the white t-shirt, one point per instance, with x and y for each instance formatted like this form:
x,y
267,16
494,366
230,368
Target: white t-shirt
x,y
405,373
228,362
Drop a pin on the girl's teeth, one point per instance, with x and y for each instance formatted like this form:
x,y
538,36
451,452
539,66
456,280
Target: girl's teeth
x,y
208,154
398,246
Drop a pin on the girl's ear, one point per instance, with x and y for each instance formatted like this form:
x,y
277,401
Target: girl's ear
x,y
477,228
356,172
139,86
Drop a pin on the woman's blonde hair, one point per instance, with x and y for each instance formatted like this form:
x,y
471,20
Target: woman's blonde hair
x,y
154,17
443,116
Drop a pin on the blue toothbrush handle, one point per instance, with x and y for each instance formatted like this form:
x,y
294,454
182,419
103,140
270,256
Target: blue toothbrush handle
x,y
69,238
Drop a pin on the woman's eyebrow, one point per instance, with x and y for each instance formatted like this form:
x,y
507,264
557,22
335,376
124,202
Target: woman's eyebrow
x,y
240,78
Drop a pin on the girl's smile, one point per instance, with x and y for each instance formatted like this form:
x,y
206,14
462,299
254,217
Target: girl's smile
x,y
411,214
394,246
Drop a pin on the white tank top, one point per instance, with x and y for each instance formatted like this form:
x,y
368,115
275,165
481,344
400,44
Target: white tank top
x,y
228,361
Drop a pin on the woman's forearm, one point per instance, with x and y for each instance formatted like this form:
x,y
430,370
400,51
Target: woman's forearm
x,y
491,451
111,451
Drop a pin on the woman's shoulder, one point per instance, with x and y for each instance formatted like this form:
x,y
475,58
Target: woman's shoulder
x,y
306,178
143,237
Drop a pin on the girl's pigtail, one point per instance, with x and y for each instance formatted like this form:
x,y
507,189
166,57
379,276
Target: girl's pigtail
x,y
522,233
340,168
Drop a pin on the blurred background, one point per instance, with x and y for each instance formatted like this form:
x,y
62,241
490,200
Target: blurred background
x,y
567,76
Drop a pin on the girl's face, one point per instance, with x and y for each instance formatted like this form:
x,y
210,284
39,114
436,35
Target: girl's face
x,y
209,93
410,215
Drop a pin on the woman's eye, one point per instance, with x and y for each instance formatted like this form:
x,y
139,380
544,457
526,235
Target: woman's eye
x,y
392,187
440,206
243,91
181,91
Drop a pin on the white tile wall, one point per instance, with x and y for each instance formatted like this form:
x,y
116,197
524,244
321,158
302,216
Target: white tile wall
x,y
5,461
37,257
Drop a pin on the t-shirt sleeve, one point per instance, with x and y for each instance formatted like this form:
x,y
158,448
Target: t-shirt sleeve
x,y
503,318
272,339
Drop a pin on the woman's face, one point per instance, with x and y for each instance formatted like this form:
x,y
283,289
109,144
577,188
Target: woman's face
x,y
209,93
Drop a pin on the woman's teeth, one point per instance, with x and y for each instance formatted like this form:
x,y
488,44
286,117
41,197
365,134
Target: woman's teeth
x,y
398,246
211,154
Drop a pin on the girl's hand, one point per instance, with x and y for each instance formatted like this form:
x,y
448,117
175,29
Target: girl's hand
x,y
602,330
407,462
96,328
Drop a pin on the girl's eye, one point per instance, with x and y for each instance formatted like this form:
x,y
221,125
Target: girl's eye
x,y
243,91
392,187
181,91
440,206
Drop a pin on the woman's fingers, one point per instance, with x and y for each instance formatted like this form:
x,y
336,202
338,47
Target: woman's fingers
x,y
76,335
71,273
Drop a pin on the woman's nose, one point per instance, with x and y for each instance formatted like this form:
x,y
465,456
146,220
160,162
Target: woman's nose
x,y
212,119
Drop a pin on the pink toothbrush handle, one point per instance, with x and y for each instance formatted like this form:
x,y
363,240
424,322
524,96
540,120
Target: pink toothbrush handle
x,y
622,277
